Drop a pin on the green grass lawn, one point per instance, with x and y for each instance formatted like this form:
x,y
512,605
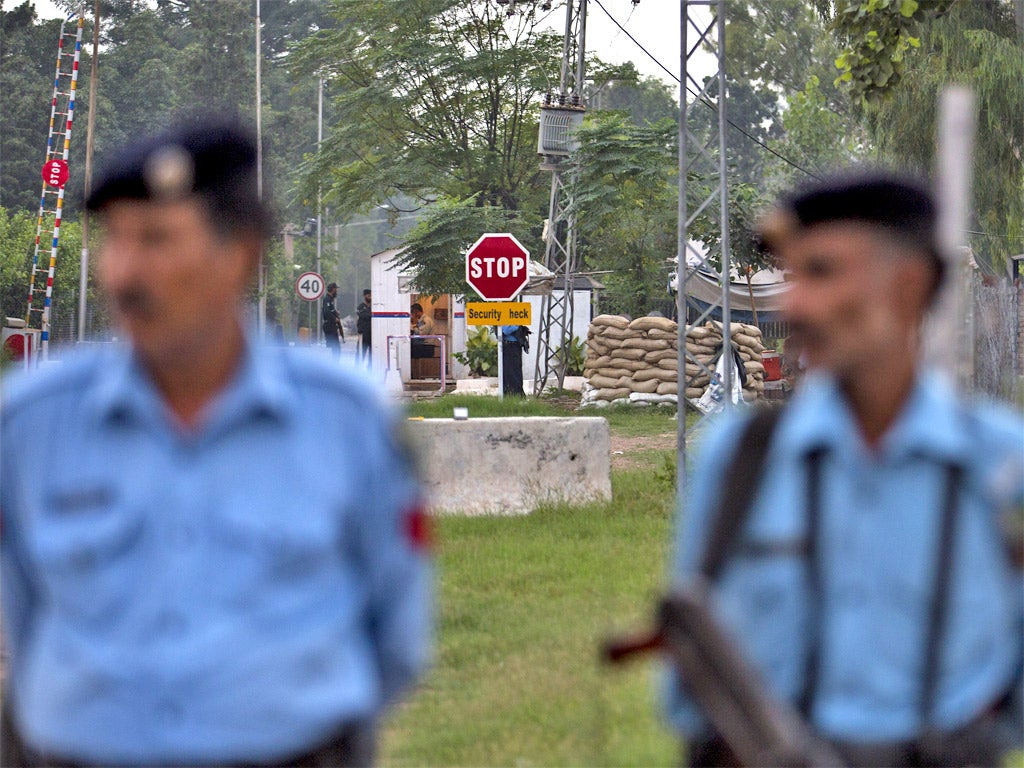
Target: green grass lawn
x,y
523,605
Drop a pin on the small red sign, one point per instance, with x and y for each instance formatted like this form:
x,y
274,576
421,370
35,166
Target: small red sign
x,y
497,266
55,173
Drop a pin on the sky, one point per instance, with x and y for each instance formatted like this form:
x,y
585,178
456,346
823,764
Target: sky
x,y
653,23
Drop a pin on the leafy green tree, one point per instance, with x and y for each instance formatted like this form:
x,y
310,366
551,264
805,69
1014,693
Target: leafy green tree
x,y
815,138
17,246
27,56
17,236
620,87
430,98
974,43
625,202
773,49
435,250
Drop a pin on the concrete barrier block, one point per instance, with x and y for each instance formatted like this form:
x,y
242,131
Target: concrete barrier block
x,y
510,466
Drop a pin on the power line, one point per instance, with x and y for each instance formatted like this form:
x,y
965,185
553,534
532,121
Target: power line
x,y
704,100
754,139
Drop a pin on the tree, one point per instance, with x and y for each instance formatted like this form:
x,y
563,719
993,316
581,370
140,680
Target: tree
x,y
625,195
435,250
974,43
620,87
431,98
27,54
17,246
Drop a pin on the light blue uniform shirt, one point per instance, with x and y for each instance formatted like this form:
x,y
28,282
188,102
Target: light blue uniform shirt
x,y
230,594
879,525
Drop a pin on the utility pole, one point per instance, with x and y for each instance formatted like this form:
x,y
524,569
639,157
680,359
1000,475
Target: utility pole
x,y
706,159
83,276
261,278
560,117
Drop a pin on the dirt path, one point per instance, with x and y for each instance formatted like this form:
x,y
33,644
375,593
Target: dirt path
x,y
630,452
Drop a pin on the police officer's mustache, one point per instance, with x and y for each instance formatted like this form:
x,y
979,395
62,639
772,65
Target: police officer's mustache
x,y
804,334
136,302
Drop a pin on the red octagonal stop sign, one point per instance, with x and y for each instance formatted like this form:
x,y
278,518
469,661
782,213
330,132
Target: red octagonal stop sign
x,y
497,266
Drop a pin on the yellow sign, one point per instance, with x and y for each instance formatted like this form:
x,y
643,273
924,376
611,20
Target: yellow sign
x,y
498,313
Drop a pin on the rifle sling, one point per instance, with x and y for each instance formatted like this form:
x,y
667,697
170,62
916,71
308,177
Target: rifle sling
x,y
744,476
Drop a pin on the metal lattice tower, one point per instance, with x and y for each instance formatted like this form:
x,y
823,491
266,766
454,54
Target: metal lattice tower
x,y
559,119
58,144
702,28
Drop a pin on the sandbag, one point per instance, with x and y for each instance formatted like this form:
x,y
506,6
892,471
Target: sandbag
x,y
651,399
650,345
657,333
648,323
612,321
631,365
748,341
604,382
661,354
627,353
616,393
647,387
698,332
667,388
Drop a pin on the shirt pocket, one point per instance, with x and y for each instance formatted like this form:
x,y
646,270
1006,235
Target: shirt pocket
x,y
284,543
763,596
85,539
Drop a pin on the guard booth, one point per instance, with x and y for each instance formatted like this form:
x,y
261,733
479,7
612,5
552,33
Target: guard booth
x,y
391,344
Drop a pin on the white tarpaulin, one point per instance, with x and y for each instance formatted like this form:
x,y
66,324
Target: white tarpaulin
x,y
767,288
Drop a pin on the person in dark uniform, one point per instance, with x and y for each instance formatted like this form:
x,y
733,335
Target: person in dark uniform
x,y
333,333
514,341
364,325
182,584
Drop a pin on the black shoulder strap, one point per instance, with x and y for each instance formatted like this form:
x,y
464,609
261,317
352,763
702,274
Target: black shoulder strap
x,y
742,479
936,632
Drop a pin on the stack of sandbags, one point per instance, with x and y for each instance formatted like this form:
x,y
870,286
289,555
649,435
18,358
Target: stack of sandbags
x,y
636,361
630,361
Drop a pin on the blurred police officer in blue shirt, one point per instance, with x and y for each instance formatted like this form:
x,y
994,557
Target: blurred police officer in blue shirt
x,y
183,583
873,582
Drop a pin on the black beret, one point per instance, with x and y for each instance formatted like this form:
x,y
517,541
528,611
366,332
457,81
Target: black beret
x,y
214,160
900,204
873,197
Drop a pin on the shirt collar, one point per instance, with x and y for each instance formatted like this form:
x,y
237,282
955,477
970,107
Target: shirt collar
x,y
260,388
929,424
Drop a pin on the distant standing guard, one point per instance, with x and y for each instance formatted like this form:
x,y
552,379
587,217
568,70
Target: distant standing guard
x,y
185,584
333,332
364,325
515,339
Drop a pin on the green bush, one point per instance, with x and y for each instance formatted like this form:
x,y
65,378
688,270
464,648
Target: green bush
x,y
481,355
576,358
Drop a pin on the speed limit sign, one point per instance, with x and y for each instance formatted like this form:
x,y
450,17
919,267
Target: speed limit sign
x,y
309,286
